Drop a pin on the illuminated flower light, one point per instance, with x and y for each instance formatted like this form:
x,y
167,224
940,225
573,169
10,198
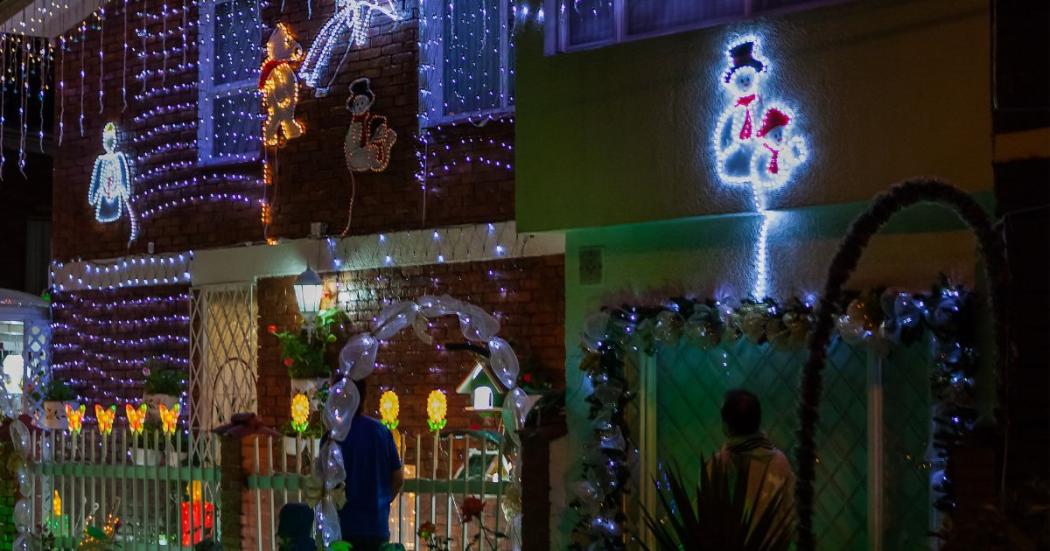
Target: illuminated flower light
x,y
56,504
350,24
389,408
136,417
195,491
280,87
300,412
169,418
110,190
75,417
105,417
437,408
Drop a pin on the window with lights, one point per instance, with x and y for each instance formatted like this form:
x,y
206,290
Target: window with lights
x,y
230,56
583,24
467,48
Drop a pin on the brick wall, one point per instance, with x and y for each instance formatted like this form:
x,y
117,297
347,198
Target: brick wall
x,y
312,182
106,362
526,295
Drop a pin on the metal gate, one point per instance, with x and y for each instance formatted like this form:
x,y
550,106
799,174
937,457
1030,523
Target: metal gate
x,y
223,354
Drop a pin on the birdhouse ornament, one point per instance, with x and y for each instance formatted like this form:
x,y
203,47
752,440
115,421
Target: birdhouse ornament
x,y
279,86
369,139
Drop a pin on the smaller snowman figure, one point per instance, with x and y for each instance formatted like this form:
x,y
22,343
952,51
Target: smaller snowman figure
x,y
734,138
280,87
773,163
369,139
110,190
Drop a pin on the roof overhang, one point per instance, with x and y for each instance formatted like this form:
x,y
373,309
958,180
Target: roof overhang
x,y
43,18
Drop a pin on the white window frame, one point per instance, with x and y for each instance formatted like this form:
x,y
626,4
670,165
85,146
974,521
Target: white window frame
x,y
208,92
432,68
556,29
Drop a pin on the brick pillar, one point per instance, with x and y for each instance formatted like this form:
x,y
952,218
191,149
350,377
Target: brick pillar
x,y
536,483
239,511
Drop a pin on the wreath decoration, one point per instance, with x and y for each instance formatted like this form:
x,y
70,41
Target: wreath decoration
x,y
952,381
357,361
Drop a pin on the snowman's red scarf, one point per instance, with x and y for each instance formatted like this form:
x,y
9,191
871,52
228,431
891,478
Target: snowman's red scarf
x,y
269,67
773,167
745,102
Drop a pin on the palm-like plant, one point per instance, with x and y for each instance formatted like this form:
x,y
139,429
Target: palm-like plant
x,y
722,518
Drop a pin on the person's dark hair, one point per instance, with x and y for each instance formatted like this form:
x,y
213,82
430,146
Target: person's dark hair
x,y
362,391
741,412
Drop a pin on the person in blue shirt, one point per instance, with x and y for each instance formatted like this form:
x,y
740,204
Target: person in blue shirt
x,y
373,480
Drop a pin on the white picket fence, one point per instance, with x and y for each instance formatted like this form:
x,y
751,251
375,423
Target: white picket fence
x,y
166,489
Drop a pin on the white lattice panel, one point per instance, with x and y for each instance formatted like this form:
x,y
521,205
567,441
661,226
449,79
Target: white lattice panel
x,y
223,354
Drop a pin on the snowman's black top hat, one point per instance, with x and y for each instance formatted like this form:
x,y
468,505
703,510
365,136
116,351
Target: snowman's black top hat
x,y
742,55
362,87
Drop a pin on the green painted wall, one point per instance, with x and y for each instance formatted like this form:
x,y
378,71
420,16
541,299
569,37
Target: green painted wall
x,y
885,90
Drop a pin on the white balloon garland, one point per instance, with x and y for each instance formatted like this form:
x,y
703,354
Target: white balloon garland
x,y
357,361
20,441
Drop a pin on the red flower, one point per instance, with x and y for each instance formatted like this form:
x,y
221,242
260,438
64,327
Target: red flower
x,y
427,529
527,377
475,426
472,508
288,362
271,329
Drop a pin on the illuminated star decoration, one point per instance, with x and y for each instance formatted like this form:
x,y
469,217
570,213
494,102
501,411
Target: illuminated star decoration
x,y
110,190
136,417
105,417
752,141
75,417
350,24
169,418
300,412
388,409
280,87
437,408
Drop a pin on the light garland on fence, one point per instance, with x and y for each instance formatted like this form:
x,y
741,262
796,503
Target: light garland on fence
x,y
349,24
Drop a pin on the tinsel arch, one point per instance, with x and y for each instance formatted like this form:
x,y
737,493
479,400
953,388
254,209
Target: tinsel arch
x,y
843,264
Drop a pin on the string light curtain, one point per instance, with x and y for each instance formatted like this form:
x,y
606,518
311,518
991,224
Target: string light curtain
x,y
468,52
585,23
231,34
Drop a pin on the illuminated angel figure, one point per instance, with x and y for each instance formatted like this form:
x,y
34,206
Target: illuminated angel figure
x,y
350,23
110,191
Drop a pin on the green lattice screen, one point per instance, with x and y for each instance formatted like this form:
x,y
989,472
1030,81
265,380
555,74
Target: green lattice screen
x,y
690,384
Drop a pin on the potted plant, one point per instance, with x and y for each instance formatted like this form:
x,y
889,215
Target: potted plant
x,y
55,395
307,358
164,385
307,440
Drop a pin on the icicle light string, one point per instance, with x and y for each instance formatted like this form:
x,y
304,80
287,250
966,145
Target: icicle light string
x,y
124,63
83,46
3,98
61,89
23,108
101,57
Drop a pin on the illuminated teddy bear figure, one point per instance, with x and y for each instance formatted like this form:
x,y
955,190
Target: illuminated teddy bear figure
x,y
369,139
734,135
280,87
110,190
771,166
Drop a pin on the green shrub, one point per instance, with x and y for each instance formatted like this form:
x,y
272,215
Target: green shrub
x,y
163,379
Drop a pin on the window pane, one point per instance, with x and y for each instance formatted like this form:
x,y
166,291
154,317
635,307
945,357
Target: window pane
x,y
644,16
237,41
472,33
589,20
236,123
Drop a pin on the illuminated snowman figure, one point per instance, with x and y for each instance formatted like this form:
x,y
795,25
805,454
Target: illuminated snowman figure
x,y
369,139
773,163
110,191
735,133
